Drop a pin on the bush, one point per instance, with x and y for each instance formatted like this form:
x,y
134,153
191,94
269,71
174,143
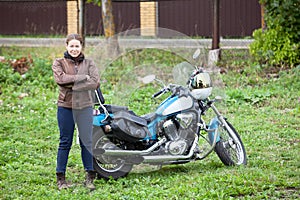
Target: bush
x,y
39,75
274,47
279,43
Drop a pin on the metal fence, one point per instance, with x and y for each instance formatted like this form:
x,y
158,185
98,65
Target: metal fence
x,y
27,17
238,18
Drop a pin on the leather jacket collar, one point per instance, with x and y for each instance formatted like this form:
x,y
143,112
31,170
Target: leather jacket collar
x,y
78,59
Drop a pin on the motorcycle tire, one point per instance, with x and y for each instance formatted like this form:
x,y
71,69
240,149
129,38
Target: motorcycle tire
x,y
227,150
107,167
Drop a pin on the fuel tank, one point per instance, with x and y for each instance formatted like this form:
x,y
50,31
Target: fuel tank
x,y
175,104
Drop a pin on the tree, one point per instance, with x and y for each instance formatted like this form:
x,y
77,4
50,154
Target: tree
x,y
279,43
108,25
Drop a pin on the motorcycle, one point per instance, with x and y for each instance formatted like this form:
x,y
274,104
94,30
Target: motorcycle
x,y
175,133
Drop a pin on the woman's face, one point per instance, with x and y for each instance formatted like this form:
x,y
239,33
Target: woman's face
x,y
74,48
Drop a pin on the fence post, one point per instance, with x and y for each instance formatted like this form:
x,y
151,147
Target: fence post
x,y
81,20
216,31
215,53
148,17
72,17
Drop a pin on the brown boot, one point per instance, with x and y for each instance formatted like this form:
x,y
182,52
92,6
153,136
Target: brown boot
x,y
89,180
61,181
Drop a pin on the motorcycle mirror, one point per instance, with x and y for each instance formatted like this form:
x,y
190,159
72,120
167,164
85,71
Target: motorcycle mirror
x,y
196,54
148,79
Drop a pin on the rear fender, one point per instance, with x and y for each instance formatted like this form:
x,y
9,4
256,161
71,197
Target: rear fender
x,y
98,119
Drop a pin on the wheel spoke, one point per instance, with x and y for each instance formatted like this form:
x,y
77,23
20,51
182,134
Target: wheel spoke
x,y
235,153
231,152
108,166
107,163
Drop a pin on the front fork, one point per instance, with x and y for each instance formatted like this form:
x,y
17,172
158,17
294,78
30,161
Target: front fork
x,y
217,121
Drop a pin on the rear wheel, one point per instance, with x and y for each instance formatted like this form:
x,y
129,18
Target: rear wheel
x,y
107,166
229,151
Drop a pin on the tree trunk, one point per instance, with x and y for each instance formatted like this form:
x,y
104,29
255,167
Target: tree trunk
x,y
109,28
263,22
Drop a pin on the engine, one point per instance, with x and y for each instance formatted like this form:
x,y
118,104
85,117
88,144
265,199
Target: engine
x,y
180,133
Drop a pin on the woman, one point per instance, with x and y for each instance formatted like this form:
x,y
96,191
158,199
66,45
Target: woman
x,y
77,79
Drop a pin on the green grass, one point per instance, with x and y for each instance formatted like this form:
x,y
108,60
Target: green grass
x,y
265,111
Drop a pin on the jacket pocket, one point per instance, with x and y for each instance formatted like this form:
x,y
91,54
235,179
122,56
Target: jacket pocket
x,y
65,95
68,96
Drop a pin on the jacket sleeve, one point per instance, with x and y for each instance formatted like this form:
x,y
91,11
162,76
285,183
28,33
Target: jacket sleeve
x,y
92,82
63,79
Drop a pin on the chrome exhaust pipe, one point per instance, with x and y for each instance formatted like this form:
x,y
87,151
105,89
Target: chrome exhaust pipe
x,y
111,152
161,158
155,158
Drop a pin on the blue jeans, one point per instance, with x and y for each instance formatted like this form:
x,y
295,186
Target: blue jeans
x,y
67,118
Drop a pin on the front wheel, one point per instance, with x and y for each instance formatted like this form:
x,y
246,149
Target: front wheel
x,y
107,166
229,151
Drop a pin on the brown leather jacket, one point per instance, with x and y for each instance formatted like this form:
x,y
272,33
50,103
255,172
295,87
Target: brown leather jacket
x,y
76,89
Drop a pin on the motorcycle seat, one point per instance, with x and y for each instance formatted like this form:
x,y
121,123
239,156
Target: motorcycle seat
x,y
149,117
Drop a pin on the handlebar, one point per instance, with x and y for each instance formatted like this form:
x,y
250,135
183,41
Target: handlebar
x,y
157,93
170,87
162,91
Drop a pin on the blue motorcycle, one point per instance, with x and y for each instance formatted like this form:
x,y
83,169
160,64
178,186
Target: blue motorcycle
x,y
175,133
